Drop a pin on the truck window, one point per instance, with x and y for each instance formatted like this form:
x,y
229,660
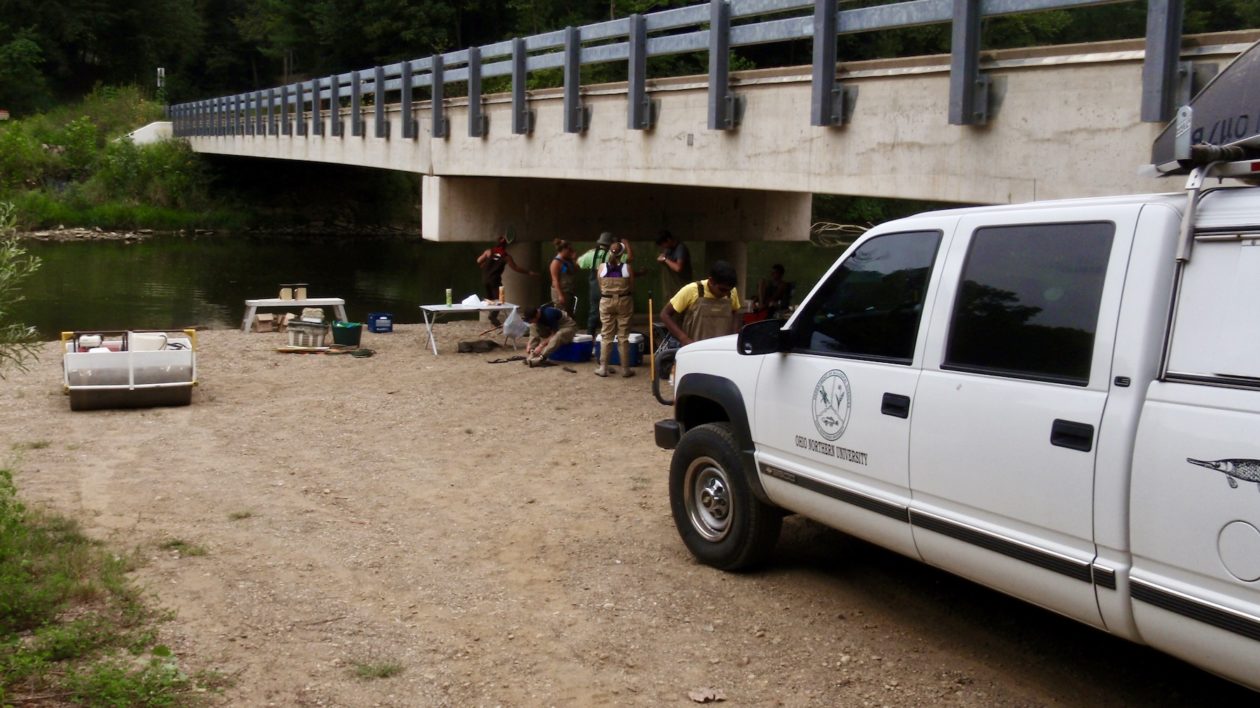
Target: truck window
x,y
1028,303
871,305
1216,334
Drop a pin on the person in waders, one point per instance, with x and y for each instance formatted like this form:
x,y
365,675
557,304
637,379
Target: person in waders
x,y
564,277
616,306
705,308
590,262
493,261
549,329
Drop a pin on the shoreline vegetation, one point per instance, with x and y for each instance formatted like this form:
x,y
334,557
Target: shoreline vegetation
x,y
71,174
73,165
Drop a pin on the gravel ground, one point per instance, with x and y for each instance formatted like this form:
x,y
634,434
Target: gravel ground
x,y
503,535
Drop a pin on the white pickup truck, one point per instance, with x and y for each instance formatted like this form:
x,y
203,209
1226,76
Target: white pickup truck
x,y
1059,400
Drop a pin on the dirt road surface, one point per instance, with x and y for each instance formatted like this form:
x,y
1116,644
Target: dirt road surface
x,y
503,534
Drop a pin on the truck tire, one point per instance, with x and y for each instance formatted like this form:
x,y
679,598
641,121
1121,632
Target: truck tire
x,y
719,519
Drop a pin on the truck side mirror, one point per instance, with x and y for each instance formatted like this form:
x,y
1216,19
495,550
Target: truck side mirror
x,y
764,337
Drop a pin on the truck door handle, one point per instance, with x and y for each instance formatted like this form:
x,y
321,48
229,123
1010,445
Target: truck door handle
x,y
1072,435
895,405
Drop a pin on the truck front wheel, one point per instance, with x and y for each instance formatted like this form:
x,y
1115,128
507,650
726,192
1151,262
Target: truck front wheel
x,y
719,519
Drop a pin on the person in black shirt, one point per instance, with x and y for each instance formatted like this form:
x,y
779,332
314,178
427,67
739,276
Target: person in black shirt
x,y
549,329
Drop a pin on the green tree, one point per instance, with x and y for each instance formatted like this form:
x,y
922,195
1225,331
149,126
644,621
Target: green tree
x,y
22,85
17,341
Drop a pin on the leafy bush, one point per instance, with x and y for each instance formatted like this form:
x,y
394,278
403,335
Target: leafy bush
x,y
164,174
79,143
17,341
23,161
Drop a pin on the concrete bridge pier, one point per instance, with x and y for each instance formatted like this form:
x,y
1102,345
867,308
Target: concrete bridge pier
x,y
538,210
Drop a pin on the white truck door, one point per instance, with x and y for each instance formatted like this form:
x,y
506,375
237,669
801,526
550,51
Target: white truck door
x,y
833,415
1007,415
1195,499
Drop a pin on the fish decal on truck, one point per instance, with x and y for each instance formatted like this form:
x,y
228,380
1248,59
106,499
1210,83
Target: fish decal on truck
x,y
1234,469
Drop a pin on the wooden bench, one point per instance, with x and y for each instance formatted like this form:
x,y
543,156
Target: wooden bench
x,y
251,307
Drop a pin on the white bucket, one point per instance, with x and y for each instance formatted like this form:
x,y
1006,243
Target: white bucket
x,y
147,341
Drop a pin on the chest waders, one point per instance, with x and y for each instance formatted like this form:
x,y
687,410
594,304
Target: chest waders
x,y
707,317
616,306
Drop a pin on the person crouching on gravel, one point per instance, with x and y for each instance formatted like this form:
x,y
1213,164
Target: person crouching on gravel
x,y
549,329
616,306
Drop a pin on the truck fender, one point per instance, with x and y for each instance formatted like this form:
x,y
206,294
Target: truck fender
x,y
705,398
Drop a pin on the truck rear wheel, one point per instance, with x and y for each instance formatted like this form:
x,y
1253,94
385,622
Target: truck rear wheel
x,y
719,519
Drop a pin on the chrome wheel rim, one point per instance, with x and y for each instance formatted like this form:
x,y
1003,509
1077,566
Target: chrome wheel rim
x,y
708,498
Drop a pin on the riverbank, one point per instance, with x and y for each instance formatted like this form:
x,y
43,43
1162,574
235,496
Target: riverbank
x,y
503,535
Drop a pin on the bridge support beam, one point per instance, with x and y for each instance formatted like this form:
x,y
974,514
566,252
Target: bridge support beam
x,y
477,208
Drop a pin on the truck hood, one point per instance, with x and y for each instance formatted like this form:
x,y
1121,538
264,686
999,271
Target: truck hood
x,y
716,344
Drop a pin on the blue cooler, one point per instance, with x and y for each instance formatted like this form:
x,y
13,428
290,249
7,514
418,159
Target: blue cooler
x,y
380,322
578,350
614,357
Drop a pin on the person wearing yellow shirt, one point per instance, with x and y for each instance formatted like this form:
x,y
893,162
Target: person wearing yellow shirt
x,y
705,308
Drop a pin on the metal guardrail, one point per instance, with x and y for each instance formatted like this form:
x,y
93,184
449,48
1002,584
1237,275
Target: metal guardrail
x,y
298,109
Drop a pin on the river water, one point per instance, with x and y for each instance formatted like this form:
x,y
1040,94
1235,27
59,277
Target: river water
x,y
169,281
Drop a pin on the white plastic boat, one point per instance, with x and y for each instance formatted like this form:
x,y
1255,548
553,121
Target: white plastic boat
x,y
129,369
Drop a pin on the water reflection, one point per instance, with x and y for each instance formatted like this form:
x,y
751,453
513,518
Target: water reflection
x,y
181,281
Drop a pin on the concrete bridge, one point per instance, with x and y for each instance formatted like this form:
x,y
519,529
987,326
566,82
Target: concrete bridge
x,y
735,157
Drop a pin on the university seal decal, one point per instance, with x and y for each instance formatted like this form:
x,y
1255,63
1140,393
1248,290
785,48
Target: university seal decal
x,y
832,404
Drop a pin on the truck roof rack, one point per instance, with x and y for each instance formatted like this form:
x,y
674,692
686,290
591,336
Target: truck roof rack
x,y
1220,125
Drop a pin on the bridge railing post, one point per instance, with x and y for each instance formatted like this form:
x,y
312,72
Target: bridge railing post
x,y
441,126
271,112
522,116
968,88
478,123
408,120
641,112
1162,61
724,106
830,103
334,106
286,128
356,105
378,102
317,115
576,115
299,107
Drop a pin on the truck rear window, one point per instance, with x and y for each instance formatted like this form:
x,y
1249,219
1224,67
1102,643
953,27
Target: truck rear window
x,y
1216,331
1028,303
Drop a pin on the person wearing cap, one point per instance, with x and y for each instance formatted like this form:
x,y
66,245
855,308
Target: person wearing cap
x,y
616,307
493,261
675,262
705,308
590,262
549,329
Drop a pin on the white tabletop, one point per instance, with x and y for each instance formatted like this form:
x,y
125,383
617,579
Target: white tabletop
x,y
460,307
